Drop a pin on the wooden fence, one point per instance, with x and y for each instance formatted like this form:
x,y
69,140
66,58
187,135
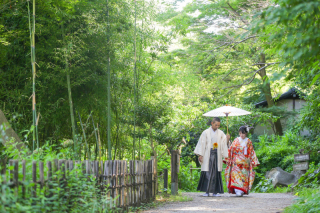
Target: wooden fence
x,y
125,185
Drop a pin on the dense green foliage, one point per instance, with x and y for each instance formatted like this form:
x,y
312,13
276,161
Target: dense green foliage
x,y
79,193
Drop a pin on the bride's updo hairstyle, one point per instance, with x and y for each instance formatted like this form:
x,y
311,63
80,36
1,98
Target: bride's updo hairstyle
x,y
243,130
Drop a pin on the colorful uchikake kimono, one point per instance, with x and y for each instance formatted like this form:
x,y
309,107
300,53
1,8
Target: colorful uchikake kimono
x,y
241,160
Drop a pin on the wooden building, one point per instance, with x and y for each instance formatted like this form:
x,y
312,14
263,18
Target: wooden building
x,y
292,101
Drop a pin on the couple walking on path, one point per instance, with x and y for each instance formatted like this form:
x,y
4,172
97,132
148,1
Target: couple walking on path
x,y
240,158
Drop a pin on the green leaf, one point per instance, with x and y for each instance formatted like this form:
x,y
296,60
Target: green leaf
x,y
315,79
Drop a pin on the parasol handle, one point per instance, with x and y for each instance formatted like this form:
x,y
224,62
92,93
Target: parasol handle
x,y
228,128
227,123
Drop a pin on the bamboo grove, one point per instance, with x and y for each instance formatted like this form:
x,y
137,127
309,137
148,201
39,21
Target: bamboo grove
x,y
97,71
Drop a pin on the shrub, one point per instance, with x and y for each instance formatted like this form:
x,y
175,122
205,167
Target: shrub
x,y
277,151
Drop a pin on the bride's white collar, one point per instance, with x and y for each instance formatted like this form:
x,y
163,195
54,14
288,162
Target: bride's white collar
x,y
242,140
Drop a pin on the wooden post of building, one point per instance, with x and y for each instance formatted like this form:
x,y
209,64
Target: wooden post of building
x,y
165,180
174,171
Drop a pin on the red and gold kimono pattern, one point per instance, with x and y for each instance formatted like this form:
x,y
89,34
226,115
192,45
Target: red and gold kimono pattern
x,y
239,173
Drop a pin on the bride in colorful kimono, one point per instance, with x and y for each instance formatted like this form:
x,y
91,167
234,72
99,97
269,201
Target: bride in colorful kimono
x,y
241,160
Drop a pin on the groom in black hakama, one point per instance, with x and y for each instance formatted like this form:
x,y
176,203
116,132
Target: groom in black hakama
x,y
211,148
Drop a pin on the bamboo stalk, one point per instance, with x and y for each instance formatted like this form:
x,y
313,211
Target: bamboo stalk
x,y
99,143
70,97
95,132
34,74
108,90
85,138
33,67
134,79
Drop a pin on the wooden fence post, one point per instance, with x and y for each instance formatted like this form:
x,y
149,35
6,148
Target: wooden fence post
x,y
23,179
123,183
107,180
131,182
140,180
49,177
62,168
145,180
55,165
41,171
154,178
34,178
174,172
119,183
14,174
127,183
115,184
71,166
3,168
137,179
150,179
88,164
67,167
10,171
96,167
165,180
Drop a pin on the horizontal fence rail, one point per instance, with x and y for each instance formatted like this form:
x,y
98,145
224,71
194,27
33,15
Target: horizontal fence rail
x,y
122,183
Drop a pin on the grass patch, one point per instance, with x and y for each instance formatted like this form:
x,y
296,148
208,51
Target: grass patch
x,y
160,200
308,201
179,198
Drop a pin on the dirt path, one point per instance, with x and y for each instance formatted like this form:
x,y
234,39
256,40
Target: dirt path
x,y
254,203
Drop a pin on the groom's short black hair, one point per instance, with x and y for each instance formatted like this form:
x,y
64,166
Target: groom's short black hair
x,y
216,119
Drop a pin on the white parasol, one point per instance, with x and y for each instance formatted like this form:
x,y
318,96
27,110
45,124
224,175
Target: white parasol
x,y
226,111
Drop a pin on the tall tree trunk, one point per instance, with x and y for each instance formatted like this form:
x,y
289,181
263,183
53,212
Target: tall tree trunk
x,y
267,91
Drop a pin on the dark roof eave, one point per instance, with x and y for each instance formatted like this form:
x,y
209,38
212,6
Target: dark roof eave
x,y
287,95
